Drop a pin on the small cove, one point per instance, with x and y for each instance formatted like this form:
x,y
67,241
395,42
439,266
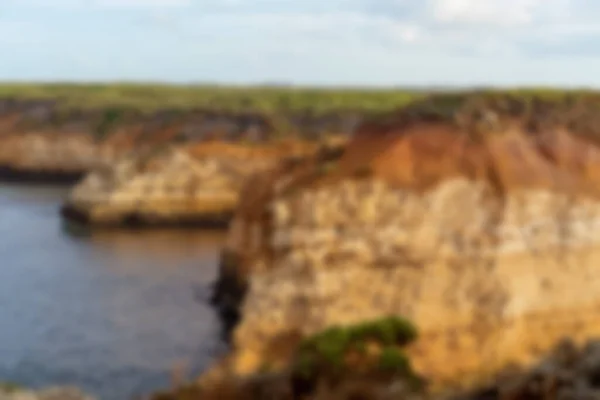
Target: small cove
x,y
111,312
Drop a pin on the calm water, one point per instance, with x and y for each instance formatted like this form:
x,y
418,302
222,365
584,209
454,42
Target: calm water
x,y
111,313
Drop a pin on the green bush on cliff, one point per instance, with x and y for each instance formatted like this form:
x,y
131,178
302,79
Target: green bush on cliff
x,y
109,119
390,330
393,360
330,345
328,348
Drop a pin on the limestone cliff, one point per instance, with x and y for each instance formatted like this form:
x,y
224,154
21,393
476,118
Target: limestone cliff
x,y
183,184
476,217
46,138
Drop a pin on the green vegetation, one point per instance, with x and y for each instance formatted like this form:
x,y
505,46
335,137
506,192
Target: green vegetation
x,y
393,360
150,97
309,113
488,110
267,99
110,118
329,348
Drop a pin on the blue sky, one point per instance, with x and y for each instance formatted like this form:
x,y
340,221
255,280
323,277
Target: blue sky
x,y
312,42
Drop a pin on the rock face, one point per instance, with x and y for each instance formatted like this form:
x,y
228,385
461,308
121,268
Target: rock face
x,y
182,185
41,140
480,225
51,158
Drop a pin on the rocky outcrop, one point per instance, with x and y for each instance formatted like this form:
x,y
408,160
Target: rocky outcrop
x,y
45,141
567,372
51,158
475,217
185,185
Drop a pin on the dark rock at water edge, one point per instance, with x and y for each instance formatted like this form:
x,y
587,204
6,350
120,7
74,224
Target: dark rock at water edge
x,y
11,174
135,220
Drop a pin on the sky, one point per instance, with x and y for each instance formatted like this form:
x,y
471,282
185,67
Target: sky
x,y
304,42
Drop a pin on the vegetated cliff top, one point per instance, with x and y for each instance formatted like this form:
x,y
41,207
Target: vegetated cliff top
x,y
485,111
266,99
546,140
227,99
284,111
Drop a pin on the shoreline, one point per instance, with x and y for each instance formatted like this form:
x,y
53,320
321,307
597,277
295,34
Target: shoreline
x,y
40,177
134,220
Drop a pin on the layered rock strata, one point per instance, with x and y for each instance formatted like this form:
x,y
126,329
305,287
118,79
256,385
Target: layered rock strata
x,y
478,224
42,141
50,158
185,185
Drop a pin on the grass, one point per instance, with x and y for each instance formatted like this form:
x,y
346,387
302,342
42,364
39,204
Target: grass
x,y
150,97
474,106
265,99
108,106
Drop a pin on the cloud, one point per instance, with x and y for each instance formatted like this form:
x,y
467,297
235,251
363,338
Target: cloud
x,y
506,12
309,39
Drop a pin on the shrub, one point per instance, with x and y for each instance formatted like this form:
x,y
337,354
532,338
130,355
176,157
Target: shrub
x,y
327,350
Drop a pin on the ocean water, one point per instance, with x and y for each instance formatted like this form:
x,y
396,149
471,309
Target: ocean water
x,y
111,312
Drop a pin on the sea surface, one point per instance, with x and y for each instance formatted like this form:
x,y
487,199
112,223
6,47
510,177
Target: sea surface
x,y
114,313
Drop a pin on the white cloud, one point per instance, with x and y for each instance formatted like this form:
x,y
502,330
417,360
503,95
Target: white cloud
x,y
286,37
503,12
477,28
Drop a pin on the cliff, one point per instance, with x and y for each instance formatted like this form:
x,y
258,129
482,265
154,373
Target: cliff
x,y
183,185
473,216
47,140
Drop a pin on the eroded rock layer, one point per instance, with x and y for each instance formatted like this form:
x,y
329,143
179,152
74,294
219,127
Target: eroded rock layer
x,y
181,185
48,140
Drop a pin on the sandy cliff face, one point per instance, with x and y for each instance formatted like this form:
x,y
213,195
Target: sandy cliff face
x,y
68,152
484,233
43,136
184,184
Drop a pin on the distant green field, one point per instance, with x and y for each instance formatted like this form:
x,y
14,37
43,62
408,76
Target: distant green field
x,y
232,99
269,99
